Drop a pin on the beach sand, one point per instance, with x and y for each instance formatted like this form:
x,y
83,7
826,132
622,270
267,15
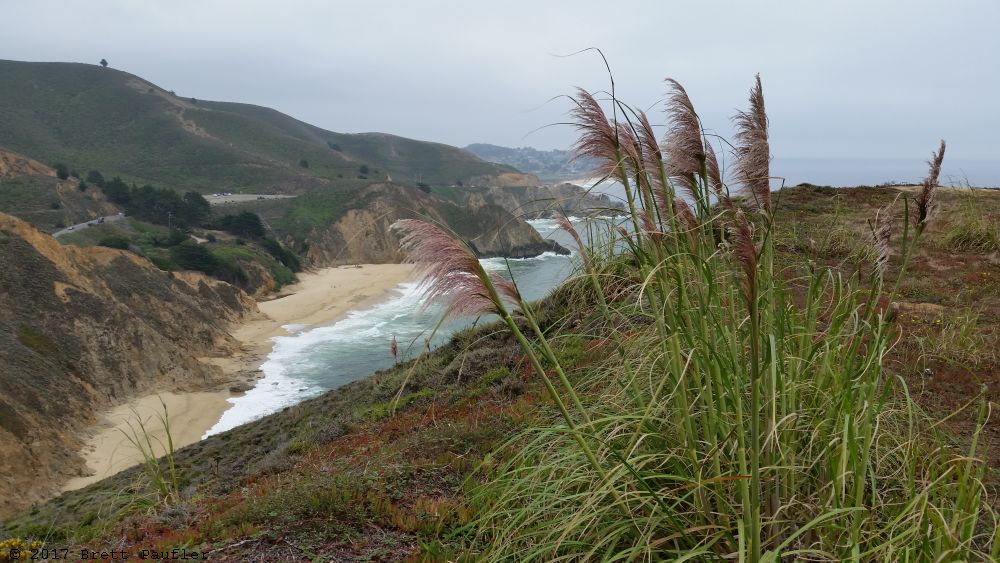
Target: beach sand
x,y
319,298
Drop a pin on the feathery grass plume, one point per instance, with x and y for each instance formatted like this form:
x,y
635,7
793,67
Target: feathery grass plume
x,y
450,271
685,215
653,163
752,153
649,226
683,143
745,251
926,200
632,151
881,230
714,174
598,138
565,224
666,204
652,152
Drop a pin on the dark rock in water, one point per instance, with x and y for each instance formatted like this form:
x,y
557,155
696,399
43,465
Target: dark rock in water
x,y
240,387
529,250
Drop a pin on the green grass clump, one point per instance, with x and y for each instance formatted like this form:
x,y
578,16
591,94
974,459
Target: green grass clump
x,y
314,211
381,410
970,230
37,341
157,457
741,410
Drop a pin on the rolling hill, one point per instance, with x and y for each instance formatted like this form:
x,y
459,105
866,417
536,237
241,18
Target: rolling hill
x,y
349,187
91,117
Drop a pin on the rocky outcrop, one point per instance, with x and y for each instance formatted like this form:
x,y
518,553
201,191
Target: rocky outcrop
x,y
529,250
537,201
82,329
362,234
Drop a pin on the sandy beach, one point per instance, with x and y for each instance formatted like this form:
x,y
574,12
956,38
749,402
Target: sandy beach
x,y
319,298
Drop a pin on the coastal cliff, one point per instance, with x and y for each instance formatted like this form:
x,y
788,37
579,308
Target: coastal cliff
x,y
362,235
83,329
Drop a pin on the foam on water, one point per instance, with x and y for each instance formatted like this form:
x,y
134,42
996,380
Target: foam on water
x,y
500,264
293,359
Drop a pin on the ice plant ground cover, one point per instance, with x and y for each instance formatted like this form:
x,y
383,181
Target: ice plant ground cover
x,y
741,411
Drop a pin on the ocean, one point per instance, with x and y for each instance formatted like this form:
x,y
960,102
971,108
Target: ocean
x,y
840,172
849,172
313,360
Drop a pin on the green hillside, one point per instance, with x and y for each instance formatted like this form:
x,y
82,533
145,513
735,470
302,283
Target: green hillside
x,y
98,118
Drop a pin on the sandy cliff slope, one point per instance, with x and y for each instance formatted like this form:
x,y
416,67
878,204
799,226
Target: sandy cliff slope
x,y
86,328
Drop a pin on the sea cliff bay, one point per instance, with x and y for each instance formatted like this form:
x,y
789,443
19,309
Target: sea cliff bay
x,y
318,298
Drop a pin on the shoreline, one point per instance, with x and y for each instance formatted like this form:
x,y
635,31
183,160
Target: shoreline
x,y
319,298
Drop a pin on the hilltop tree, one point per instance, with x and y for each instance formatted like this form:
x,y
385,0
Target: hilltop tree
x,y
62,171
104,63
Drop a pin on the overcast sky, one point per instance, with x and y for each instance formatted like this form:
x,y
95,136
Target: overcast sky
x,y
842,79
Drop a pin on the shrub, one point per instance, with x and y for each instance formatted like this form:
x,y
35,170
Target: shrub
x,y
117,191
37,341
333,146
423,187
162,262
176,237
363,169
244,224
190,255
95,177
115,241
282,254
62,172
303,163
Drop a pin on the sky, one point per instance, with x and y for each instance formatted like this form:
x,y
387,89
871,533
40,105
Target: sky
x,y
845,79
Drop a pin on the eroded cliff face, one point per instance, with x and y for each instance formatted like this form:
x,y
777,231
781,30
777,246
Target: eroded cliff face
x,y
363,235
82,329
